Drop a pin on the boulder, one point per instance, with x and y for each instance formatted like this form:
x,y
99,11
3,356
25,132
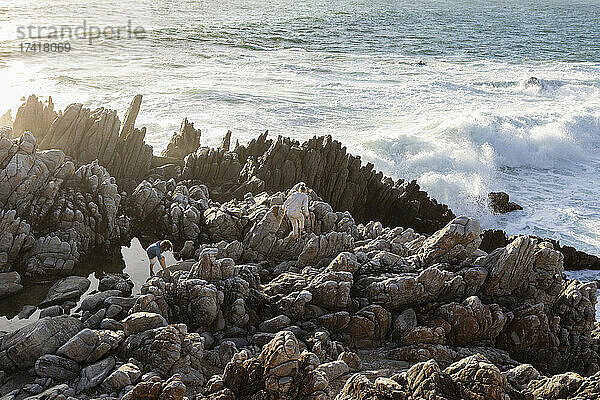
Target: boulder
x,y
92,375
24,346
500,204
58,368
142,321
478,378
69,288
10,283
127,374
454,243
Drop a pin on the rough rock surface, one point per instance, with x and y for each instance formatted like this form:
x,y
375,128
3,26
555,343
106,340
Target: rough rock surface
x,y
69,288
186,141
500,204
34,116
21,348
10,283
356,308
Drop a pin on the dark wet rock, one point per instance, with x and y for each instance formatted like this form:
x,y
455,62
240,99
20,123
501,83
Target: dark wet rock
x,y
53,211
51,311
26,312
500,204
455,242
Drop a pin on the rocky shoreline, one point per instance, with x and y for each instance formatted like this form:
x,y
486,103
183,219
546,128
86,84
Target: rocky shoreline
x,y
388,295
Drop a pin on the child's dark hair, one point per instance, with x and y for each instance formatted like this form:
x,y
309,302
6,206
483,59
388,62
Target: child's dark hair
x,y
166,245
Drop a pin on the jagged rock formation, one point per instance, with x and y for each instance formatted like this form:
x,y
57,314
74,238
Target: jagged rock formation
x,y
573,259
184,142
52,212
88,135
6,121
352,309
290,326
341,180
34,116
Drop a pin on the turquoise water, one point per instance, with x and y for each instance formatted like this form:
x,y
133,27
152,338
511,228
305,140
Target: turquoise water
x,y
465,123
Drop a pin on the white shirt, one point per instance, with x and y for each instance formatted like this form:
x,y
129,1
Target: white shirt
x,y
296,203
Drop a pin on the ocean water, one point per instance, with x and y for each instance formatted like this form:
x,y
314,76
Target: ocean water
x,y
465,123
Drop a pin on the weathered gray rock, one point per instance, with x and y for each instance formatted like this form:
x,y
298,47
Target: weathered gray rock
x,y
69,288
52,311
325,246
22,348
96,300
61,391
58,368
92,375
521,375
509,267
10,283
15,238
153,388
120,282
80,346
168,350
186,141
89,135
500,204
168,208
26,312
34,116
477,377
562,386
472,321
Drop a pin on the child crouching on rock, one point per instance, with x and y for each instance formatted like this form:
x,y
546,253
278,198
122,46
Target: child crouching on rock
x,y
154,252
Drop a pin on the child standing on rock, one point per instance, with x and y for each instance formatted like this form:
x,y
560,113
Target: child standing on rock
x,y
296,209
154,252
